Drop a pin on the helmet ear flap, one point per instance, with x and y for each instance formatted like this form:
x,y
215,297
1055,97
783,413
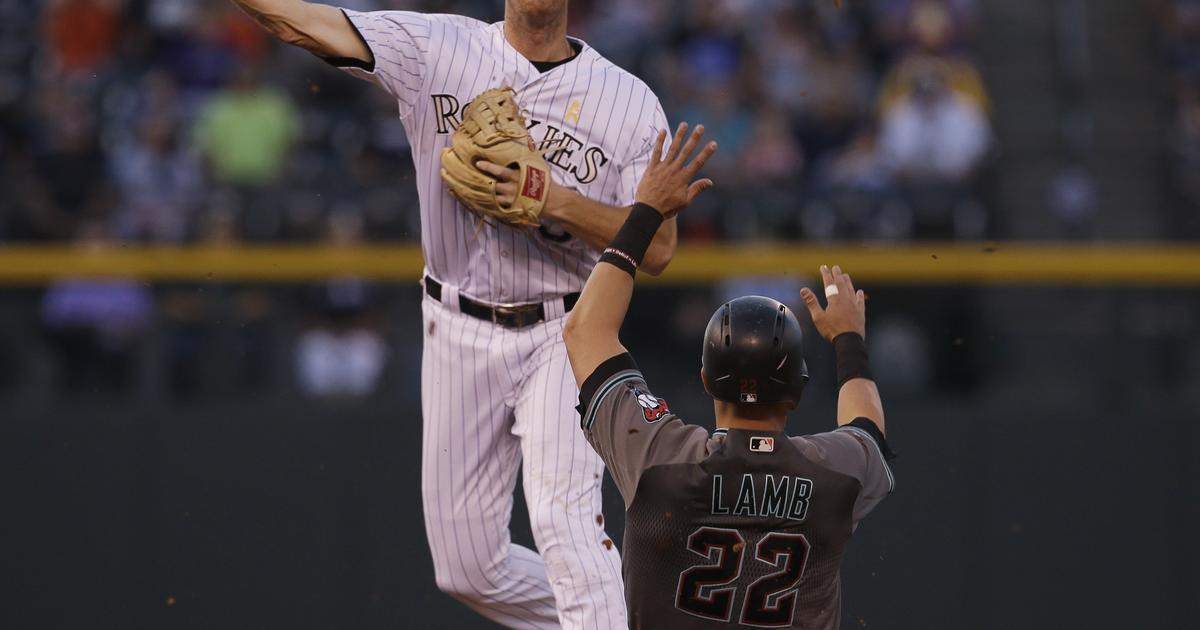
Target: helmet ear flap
x,y
802,380
704,381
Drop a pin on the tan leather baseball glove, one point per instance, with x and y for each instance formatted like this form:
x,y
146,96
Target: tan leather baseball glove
x,y
493,129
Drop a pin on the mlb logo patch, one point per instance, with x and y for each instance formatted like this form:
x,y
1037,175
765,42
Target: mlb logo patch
x,y
748,391
762,444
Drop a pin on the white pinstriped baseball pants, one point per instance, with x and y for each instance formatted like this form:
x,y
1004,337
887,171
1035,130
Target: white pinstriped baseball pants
x,y
494,399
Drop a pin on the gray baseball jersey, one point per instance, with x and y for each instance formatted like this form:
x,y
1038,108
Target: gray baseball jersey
x,y
605,119
735,528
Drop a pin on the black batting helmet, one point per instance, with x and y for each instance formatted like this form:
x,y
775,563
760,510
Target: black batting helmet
x,y
752,353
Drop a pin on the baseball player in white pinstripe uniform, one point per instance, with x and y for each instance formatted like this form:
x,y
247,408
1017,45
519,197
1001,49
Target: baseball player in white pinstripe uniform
x,y
497,389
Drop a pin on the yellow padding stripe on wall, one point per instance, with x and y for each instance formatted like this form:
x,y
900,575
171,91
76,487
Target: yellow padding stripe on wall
x,y
990,264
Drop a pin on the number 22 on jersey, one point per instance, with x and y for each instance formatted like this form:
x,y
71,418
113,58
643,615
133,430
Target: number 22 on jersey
x,y
708,590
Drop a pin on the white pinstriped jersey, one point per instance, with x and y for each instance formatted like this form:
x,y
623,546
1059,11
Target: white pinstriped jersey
x,y
605,118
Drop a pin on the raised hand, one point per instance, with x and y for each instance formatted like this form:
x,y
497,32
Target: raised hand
x,y
847,309
667,185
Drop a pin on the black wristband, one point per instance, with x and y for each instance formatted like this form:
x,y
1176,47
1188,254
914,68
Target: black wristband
x,y
620,260
852,361
633,239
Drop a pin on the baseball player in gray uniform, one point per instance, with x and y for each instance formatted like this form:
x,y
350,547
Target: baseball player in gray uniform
x,y
746,526
497,392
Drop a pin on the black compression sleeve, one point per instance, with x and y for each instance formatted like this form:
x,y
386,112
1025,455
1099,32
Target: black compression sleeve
x,y
629,246
852,361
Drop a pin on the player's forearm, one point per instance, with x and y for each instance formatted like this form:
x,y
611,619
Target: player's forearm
x,y
593,328
318,28
858,397
594,325
596,224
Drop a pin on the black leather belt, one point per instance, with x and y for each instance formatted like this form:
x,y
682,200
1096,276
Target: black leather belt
x,y
507,315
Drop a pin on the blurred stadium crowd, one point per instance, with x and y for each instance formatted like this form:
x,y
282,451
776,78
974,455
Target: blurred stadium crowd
x,y
179,120
1179,24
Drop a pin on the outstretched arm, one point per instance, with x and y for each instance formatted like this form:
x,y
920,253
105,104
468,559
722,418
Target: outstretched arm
x,y
318,28
592,222
596,224
858,446
593,327
844,324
